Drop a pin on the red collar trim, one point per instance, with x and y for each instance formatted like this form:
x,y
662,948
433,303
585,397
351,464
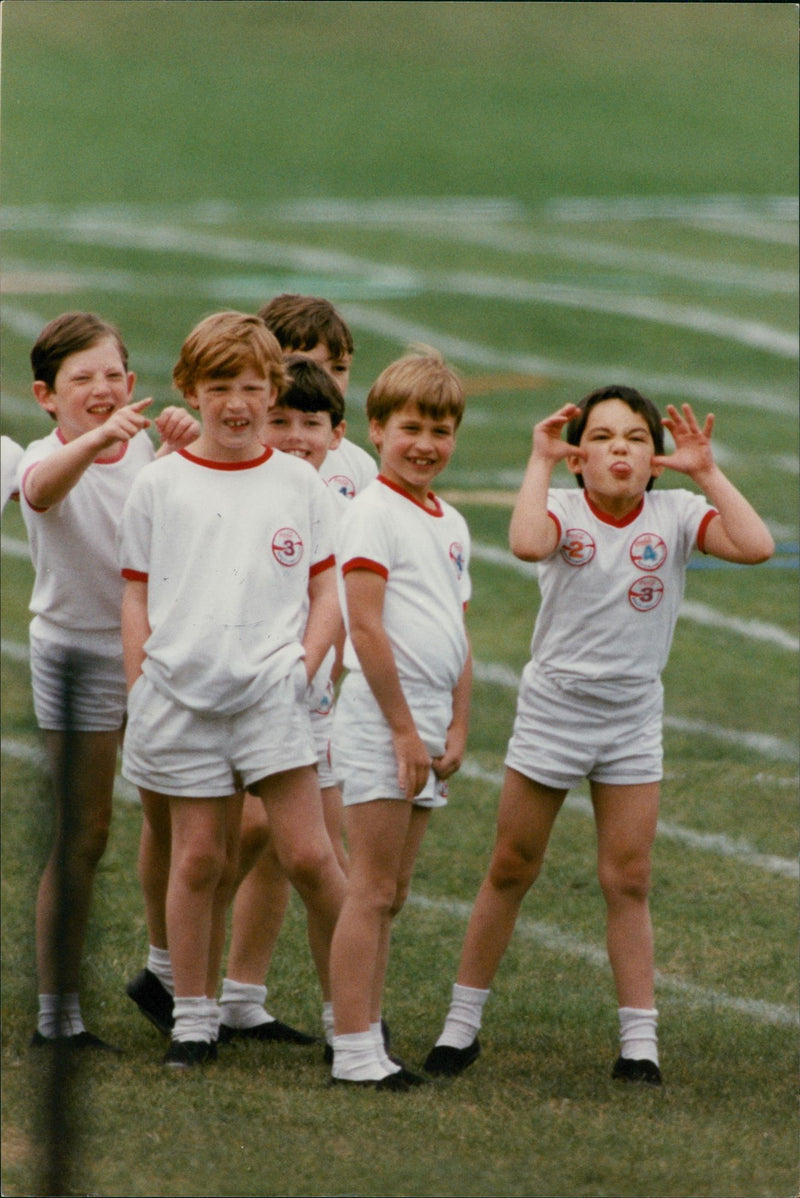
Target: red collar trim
x,y
211,465
436,510
612,520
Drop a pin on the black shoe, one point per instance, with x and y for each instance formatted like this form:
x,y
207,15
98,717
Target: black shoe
x,y
411,1079
185,1054
445,1061
273,1030
637,1071
393,1081
153,1000
78,1040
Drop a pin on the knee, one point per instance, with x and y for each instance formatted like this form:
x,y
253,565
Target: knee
x,y
307,864
201,869
512,868
627,879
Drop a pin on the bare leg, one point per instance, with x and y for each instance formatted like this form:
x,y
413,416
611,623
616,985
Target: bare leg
x,y
83,805
418,824
377,833
525,820
204,843
626,819
153,865
306,855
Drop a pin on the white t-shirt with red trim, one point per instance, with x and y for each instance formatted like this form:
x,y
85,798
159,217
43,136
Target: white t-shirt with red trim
x,y
227,551
77,593
611,590
424,556
348,468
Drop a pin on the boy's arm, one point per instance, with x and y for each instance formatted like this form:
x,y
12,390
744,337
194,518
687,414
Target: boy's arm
x,y
135,628
456,743
324,619
365,592
737,534
49,481
532,535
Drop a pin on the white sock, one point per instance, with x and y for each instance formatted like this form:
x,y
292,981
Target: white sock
x,y
242,1004
376,1029
59,1015
159,963
195,1019
464,1017
637,1034
327,1022
355,1058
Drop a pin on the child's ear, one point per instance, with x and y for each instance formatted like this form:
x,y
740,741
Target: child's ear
x,y
337,434
574,463
376,433
656,471
191,399
44,396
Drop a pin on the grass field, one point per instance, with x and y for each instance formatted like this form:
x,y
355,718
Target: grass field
x,y
556,195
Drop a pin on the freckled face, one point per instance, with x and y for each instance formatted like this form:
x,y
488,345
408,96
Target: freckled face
x,y
233,411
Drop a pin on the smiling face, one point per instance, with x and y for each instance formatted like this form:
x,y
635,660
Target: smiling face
x,y
88,387
619,448
413,448
233,412
307,435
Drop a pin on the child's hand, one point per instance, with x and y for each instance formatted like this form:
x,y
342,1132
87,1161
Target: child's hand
x,y
692,454
124,424
177,428
413,763
450,761
547,441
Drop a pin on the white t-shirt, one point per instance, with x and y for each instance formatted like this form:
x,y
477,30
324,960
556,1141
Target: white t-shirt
x,y
612,590
348,468
227,551
77,593
11,455
424,557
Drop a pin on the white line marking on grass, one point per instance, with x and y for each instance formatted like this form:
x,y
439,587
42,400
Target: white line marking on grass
x,y
94,229
397,329
565,943
13,547
697,320
710,842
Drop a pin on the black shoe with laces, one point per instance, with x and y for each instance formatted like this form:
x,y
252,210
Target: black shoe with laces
x,y
445,1061
645,1071
153,1000
273,1030
186,1054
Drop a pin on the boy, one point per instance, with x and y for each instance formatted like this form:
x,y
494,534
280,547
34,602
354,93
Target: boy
x,y
402,715
229,609
306,422
73,485
613,560
308,325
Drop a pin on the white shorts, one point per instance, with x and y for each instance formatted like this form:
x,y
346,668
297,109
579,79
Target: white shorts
x,y
77,690
363,751
560,738
322,728
172,750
